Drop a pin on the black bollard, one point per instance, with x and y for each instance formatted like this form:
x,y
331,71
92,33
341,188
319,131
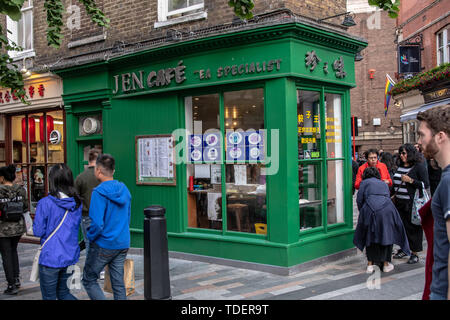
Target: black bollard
x,y
156,255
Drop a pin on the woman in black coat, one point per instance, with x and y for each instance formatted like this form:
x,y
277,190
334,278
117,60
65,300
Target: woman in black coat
x,y
410,175
379,225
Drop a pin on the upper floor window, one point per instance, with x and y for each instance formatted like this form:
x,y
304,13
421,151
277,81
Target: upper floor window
x,y
443,46
21,32
176,11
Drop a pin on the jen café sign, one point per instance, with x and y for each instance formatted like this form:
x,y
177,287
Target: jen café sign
x,y
144,80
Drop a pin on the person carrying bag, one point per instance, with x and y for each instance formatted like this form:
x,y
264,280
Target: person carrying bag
x,y
13,205
57,221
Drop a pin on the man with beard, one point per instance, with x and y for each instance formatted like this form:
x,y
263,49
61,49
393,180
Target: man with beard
x,y
434,139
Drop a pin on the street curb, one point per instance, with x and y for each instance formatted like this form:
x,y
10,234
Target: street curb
x,y
282,271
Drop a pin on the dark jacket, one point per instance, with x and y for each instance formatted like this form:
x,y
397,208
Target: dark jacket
x,y
84,184
13,229
378,221
418,173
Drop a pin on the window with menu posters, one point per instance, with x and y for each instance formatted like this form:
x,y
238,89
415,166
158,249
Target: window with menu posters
x,y
225,171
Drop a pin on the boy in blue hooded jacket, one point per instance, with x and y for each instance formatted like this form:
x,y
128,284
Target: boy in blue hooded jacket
x,y
109,231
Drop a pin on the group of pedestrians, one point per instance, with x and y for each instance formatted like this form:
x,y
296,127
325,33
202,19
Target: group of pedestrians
x,y
96,202
385,200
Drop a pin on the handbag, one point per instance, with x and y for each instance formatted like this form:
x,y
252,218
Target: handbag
x,y
128,278
418,203
34,276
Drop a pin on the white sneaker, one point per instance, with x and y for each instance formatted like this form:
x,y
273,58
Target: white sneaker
x,y
370,269
102,275
388,268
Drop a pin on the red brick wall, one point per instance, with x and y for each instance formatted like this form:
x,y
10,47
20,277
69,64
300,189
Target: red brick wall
x,y
367,99
410,24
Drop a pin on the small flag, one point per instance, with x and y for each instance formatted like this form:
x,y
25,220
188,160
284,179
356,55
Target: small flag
x,y
387,97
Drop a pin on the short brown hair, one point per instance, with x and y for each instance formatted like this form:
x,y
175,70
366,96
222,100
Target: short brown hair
x,y
437,118
93,154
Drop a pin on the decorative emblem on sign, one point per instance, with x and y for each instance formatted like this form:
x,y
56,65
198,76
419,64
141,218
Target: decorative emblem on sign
x,y
338,66
312,60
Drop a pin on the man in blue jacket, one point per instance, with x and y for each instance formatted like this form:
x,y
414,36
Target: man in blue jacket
x,y
109,232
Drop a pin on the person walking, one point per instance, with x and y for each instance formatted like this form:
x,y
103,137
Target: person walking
x,y
372,161
109,232
379,224
409,177
11,231
434,139
84,184
62,250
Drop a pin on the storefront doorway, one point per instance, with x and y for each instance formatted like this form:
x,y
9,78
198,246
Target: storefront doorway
x,y
36,143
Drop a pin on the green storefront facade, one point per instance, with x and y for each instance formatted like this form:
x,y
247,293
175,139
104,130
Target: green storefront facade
x,y
285,180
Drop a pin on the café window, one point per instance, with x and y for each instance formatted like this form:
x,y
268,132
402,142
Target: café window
x,y
320,163
225,171
309,154
37,144
335,163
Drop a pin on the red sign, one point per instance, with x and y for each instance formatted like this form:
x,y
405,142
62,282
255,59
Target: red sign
x,y
9,96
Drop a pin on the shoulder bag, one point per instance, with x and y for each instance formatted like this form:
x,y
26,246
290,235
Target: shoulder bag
x,y
34,276
418,203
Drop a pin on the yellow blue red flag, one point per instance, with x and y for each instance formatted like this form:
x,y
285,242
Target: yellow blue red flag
x,y
387,97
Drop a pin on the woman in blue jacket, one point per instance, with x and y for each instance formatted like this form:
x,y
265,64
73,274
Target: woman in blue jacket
x,y
62,250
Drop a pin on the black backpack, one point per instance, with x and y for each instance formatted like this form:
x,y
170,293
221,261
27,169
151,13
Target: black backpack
x,y
11,210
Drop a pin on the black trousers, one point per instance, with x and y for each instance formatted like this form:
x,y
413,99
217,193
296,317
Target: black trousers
x,y
10,259
413,232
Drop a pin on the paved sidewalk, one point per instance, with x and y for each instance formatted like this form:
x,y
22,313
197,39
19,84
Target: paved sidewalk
x,y
193,280
343,279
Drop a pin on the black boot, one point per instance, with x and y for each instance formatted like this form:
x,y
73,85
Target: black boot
x,y
17,282
11,290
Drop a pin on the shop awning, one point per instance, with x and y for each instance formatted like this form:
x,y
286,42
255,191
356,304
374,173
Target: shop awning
x,y
413,114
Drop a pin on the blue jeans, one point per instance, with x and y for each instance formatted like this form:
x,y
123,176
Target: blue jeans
x,y
53,283
437,296
85,223
96,260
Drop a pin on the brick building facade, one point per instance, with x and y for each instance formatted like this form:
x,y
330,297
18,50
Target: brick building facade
x,y
367,99
427,23
137,21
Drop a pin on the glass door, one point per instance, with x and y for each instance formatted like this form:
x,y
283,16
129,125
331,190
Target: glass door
x,y
37,144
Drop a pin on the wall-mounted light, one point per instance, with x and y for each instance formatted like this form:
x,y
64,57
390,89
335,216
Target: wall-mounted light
x,y
24,71
348,19
371,73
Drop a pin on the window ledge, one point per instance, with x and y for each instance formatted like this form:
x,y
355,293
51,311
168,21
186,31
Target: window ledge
x,y
82,42
188,18
22,55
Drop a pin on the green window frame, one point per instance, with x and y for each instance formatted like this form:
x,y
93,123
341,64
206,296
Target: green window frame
x,y
221,92
323,161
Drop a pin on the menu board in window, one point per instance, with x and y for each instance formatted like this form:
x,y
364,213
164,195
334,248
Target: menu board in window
x,y
155,162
